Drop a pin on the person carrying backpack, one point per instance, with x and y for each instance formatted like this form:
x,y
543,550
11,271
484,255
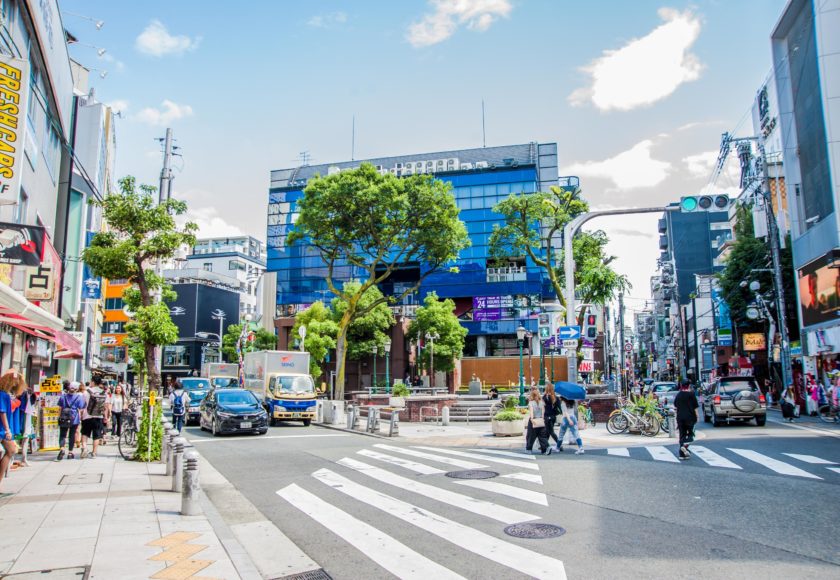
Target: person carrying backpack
x,y
179,402
71,404
93,416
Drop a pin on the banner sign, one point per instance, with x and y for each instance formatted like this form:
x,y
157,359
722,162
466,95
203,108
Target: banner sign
x,y
14,83
91,285
21,245
50,393
487,308
754,341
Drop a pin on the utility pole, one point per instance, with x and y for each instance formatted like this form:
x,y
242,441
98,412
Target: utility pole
x,y
621,337
164,193
696,343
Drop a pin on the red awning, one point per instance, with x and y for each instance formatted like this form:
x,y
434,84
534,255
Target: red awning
x,y
17,311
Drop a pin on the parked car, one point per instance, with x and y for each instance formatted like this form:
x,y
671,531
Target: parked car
x,y
664,391
232,411
734,398
196,388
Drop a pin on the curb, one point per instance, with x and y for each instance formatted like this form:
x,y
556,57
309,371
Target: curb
x,y
355,432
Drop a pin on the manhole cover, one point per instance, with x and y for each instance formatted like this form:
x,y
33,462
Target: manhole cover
x,y
318,574
81,479
534,531
472,474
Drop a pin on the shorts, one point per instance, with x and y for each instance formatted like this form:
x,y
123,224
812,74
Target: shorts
x,y
92,427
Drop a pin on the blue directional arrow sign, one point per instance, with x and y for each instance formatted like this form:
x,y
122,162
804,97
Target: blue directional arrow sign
x,y
568,332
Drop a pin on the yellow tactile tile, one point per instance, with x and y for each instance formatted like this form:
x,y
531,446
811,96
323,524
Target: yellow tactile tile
x,y
182,570
178,553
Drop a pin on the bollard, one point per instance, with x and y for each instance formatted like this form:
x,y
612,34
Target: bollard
x,y
190,486
394,425
370,419
178,463
445,416
164,444
351,416
170,437
672,426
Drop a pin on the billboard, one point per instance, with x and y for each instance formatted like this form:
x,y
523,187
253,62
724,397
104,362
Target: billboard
x,y
754,341
14,78
819,293
21,245
91,285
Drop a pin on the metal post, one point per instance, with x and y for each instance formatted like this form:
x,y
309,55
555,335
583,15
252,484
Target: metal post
x,y
696,343
394,426
432,357
373,382
530,366
621,339
552,363
388,371
542,362
521,377
172,435
178,464
191,485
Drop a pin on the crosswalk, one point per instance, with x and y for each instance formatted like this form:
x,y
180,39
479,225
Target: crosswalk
x,y
736,459
409,485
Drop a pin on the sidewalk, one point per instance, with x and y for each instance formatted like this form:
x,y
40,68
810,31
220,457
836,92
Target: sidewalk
x,y
107,516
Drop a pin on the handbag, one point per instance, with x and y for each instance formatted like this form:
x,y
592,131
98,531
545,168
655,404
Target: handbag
x,y
537,422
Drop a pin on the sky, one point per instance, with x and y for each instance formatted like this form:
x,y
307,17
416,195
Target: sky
x,y
635,93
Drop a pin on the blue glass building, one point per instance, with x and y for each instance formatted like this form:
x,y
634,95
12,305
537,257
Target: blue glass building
x,y
480,178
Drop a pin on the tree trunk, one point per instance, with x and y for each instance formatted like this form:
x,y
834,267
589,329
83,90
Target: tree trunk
x,y
152,371
341,355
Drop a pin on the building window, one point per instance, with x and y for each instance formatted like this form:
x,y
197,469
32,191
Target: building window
x,y
176,356
114,354
114,328
236,265
114,304
208,266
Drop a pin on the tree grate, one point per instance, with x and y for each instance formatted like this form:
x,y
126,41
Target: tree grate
x,y
472,474
534,531
319,574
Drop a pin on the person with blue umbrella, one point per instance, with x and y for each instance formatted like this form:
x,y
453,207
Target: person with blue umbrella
x,y
569,393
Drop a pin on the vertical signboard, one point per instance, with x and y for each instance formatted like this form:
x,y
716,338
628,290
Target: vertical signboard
x,y
14,90
91,285
50,393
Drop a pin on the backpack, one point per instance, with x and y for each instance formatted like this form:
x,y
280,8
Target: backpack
x,y
178,405
68,413
96,404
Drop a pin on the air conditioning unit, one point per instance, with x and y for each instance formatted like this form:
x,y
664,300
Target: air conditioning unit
x,y
481,165
398,166
418,167
440,164
466,166
452,164
408,171
393,171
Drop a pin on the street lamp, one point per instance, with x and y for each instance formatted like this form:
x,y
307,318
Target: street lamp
x,y
375,351
520,336
302,333
202,334
432,337
387,346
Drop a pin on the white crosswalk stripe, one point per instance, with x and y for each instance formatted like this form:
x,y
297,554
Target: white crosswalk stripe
x,y
439,458
712,458
661,453
811,459
476,506
392,555
508,490
530,477
468,455
773,464
512,454
834,469
505,553
620,451
414,466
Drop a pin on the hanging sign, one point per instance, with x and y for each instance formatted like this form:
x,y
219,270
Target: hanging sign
x,y
14,90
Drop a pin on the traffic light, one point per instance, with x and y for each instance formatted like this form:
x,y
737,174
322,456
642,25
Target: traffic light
x,y
590,327
700,203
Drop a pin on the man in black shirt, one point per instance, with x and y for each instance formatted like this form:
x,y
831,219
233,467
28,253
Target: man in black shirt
x,y
685,405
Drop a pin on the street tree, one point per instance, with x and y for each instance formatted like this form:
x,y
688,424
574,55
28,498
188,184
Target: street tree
x,y
438,317
372,323
533,224
321,330
374,225
263,340
139,232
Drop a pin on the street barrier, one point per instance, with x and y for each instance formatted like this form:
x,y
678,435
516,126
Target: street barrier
x,y
164,445
178,464
351,417
394,424
672,426
436,413
445,417
191,486
372,420
170,435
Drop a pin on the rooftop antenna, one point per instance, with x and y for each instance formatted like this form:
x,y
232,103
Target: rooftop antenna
x,y
305,158
353,141
483,132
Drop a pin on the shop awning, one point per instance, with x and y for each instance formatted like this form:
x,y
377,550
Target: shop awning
x,y
17,311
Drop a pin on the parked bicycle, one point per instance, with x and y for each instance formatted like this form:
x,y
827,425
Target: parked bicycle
x,y
626,418
585,413
127,443
829,414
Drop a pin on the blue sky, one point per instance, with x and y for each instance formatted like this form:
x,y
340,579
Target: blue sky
x,y
635,93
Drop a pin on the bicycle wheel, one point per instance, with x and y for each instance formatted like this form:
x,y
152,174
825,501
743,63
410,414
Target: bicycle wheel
x,y
127,444
663,423
650,426
827,414
617,423
590,417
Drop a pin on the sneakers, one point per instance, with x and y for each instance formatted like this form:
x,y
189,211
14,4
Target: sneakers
x,y
579,451
70,456
83,454
93,455
546,452
60,455
560,449
684,453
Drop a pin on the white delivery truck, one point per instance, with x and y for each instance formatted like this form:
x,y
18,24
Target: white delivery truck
x,y
221,375
281,380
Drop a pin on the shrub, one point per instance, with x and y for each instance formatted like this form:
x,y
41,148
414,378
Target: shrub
x,y
143,443
400,390
508,415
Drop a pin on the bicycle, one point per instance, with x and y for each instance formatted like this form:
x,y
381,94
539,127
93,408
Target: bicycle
x,y
585,413
829,413
127,442
623,419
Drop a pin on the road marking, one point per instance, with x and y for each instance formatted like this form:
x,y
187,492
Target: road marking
x,y
811,459
414,466
661,453
712,458
803,428
513,454
508,490
620,451
263,438
834,469
531,477
476,506
438,458
515,557
468,455
773,464
394,556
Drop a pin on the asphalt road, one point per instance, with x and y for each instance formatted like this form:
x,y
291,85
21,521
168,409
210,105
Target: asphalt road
x,y
760,502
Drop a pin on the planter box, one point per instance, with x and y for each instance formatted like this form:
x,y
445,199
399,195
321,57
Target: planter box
x,y
508,428
397,402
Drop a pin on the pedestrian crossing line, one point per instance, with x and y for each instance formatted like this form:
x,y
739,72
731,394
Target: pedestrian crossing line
x,y
712,458
834,469
811,459
512,454
661,453
476,506
515,557
392,555
773,464
508,490
438,458
414,466
620,451
530,477
468,455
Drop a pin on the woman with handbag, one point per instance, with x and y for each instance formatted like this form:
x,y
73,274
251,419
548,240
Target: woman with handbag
x,y
536,423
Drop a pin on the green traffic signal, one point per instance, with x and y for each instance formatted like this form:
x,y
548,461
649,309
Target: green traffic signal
x,y
688,204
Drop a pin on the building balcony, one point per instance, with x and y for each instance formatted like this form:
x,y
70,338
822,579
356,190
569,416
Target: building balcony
x,y
507,274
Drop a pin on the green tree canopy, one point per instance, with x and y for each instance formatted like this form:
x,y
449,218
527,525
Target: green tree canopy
x,y
438,317
263,340
321,330
139,232
376,224
371,326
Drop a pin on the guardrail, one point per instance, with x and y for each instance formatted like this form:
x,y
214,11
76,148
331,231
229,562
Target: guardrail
x,y
436,413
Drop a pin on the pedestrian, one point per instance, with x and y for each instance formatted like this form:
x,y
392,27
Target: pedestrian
x,y
685,406
179,401
552,409
9,382
118,404
71,404
92,417
569,422
536,423
106,419
493,393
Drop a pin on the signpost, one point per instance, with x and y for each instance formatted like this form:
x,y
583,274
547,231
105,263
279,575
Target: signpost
x,y
152,403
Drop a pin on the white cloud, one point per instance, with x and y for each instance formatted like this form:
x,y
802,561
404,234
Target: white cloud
x,y
118,105
210,223
701,164
448,15
628,170
327,20
168,112
155,40
646,69
113,62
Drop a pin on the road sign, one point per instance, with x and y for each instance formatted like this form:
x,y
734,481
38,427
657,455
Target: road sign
x,y
568,332
628,346
545,332
152,400
570,343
